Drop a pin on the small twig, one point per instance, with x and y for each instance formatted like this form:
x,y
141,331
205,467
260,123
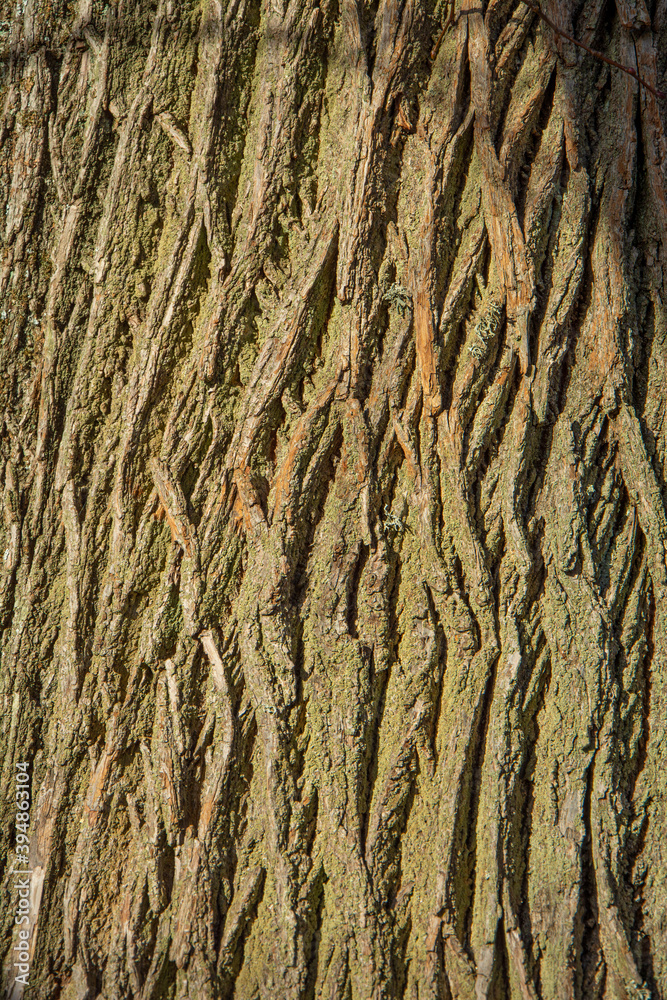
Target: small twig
x,y
453,18
594,52
448,23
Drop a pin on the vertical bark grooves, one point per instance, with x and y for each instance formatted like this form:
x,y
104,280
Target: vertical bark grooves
x,y
334,594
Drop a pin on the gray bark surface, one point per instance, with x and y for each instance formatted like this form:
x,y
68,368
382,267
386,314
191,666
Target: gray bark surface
x,y
333,586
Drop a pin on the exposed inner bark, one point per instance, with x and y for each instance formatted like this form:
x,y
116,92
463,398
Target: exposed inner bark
x,y
334,599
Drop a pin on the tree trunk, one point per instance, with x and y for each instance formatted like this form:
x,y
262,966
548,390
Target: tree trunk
x,y
334,599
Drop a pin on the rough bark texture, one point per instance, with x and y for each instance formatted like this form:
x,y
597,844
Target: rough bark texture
x,y
334,599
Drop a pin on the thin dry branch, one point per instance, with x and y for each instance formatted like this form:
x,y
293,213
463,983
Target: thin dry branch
x,y
452,20
593,52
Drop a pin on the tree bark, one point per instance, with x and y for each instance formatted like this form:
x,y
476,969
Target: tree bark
x,y
334,593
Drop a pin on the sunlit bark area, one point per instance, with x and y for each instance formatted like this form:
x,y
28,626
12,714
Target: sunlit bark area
x,y
334,590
